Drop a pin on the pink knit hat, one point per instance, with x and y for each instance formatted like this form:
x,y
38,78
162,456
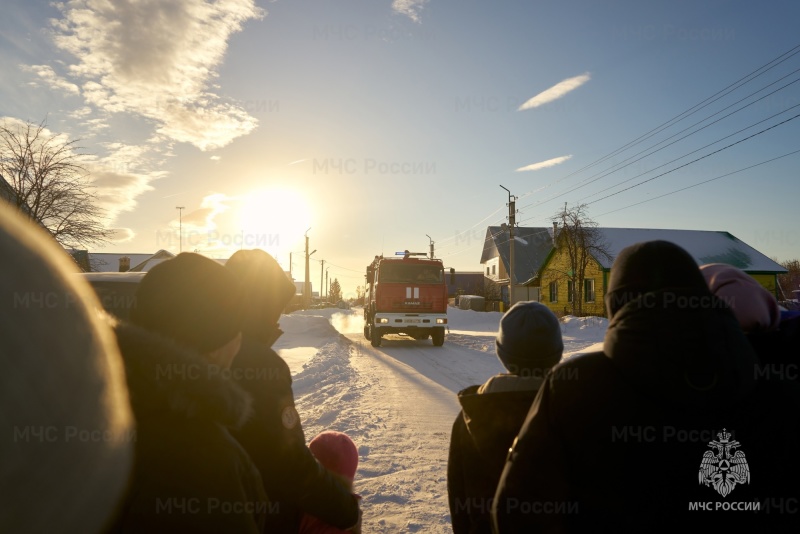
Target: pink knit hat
x,y
754,307
336,452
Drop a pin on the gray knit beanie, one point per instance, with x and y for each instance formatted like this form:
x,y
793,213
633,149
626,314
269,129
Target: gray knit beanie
x,y
529,338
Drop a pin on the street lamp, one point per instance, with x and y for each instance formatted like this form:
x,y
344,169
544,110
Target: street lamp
x,y
431,240
180,227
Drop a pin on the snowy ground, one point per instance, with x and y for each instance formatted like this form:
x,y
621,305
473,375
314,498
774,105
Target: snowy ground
x,y
398,401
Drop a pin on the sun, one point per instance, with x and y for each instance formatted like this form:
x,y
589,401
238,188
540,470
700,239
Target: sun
x,y
274,219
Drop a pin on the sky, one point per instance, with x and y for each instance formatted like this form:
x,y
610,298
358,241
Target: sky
x,y
379,126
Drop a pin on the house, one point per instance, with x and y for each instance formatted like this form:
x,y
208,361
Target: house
x,y
147,264
704,246
531,248
465,283
103,262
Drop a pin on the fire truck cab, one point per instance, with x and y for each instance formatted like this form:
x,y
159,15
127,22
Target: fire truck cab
x,y
406,294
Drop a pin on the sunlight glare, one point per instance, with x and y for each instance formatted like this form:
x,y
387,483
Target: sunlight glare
x,y
274,220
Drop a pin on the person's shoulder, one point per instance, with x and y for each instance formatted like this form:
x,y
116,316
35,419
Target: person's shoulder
x,y
574,364
253,352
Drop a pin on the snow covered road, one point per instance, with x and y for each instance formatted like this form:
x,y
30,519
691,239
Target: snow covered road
x,y
397,402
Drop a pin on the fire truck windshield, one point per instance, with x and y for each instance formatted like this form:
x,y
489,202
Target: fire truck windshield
x,y
403,273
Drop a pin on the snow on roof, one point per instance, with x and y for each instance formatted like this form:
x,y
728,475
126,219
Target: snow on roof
x,y
530,249
150,262
705,246
104,262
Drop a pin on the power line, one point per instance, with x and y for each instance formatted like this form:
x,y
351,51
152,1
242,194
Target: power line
x,y
612,170
698,159
692,152
582,184
700,183
708,101
697,107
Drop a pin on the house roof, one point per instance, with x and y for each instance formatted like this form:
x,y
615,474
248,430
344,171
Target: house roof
x,y
705,246
531,247
9,194
150,262
104,262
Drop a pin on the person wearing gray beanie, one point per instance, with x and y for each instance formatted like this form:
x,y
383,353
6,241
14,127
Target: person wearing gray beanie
x,y
528,344
529,338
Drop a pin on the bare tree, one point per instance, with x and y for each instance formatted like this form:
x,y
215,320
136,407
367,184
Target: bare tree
x,y
50,185
360,295
790,281
582,243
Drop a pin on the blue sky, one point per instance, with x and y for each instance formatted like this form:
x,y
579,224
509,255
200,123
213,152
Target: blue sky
x,y
375,122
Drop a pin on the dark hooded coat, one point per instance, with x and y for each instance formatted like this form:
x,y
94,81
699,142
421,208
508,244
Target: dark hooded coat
x,y
190,474
618,440
295,482
491,416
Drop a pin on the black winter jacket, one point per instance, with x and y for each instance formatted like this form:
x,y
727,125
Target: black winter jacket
x,y
295,482
491,416
618,441
190,474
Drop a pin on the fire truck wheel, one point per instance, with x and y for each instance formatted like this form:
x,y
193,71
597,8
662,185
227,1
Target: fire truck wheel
x,y
366,331
375,337
438,337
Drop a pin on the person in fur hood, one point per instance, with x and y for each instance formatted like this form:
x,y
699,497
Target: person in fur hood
x,y
528,344
295,482
190,474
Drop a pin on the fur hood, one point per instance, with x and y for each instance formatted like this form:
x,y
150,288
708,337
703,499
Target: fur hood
x,y
166,378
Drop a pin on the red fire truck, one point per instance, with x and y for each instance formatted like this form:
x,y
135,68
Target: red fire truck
x,y
406,294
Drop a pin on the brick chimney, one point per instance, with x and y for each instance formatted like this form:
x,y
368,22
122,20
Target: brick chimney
x,y
124,264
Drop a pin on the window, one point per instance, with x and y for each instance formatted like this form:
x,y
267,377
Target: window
x,y
399,272
570,290
553,291
588,290
487,271
493,269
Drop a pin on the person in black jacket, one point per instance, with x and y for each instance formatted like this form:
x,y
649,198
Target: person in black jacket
x,y
666,430
528,344
295,482
190,474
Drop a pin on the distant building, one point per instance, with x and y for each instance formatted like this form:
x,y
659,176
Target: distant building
x,y
539,265
531,247
466,283
103,262
704,246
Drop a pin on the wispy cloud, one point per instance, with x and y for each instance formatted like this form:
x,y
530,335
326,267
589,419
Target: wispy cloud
x,y
157,59
46,74
544,164
409,8
557,91
201,228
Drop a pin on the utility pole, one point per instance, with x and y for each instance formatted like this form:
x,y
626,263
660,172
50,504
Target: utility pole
x,y
321,287
290,266
306,283
511,222
180,227
327,284
429,237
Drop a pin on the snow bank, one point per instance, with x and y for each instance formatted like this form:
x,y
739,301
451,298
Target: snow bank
x,y
398,402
